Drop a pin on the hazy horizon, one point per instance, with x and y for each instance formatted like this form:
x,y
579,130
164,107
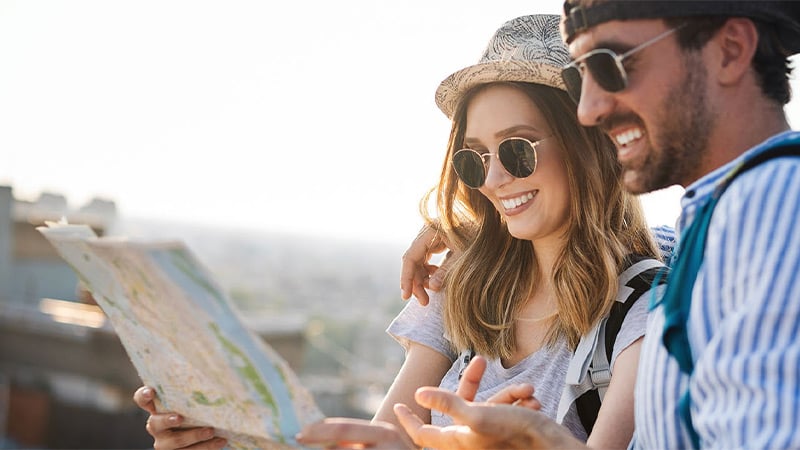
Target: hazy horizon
x,y
311,117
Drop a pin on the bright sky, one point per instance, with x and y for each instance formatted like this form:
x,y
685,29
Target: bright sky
x,y
306,116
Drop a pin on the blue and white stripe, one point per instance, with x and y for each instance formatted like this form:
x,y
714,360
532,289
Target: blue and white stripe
x,y
744,325
658,424
665,239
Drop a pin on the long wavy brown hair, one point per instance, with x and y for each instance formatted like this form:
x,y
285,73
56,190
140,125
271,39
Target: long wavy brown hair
x,y
495,273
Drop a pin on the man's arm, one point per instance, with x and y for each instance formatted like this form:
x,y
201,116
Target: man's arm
x,y
417,273
745,389
423,366
342,432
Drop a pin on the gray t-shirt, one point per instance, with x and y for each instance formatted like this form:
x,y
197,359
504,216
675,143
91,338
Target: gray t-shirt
x,y
545,369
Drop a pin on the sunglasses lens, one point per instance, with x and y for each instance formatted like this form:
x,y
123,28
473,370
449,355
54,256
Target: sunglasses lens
x,y
572,79
606,72
469,167
518,157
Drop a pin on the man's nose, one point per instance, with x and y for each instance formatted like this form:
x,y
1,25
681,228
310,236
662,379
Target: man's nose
x,y
595,103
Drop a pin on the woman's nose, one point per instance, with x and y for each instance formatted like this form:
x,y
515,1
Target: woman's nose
x,y
496,174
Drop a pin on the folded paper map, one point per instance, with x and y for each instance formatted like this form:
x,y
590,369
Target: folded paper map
x,y
187,340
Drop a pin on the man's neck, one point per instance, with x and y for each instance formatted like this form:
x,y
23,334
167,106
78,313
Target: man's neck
x,y
738,130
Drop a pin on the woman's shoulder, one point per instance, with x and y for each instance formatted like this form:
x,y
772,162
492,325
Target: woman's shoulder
x,y
639,274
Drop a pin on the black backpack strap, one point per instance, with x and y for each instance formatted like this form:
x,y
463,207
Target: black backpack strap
x,y
588,404
465,357
640,284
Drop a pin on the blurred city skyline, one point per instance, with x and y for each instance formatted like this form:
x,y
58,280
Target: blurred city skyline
x,y
309,117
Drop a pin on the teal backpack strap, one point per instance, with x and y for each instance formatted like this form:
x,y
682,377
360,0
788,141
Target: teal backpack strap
x,y
680,282
677,301
686,262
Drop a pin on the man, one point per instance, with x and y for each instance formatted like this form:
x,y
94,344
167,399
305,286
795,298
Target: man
x,y
688,91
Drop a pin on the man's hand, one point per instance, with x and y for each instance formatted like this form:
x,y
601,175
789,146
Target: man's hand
x,y
518,394
165,427
353,433
417,273
484,425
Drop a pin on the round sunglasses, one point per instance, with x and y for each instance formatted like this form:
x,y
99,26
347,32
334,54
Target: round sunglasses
x,y
605,66
516,154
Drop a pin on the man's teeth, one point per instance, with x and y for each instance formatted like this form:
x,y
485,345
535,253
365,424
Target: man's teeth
x,y
628,136
511,203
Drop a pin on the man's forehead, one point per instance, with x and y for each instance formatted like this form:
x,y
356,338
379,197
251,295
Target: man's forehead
x,y
614,35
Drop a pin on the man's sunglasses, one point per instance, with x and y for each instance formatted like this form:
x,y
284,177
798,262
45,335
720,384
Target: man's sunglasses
x,y
516,154
605,66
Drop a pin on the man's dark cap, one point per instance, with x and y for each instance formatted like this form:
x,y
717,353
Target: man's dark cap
x,y
784,15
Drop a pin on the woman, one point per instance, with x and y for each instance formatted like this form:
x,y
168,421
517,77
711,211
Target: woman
x,y
534,206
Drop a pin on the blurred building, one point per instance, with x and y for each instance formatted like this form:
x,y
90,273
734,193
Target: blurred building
x,y
65,379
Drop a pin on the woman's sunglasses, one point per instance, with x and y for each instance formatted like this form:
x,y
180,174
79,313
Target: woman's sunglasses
x,y
605,66
516,154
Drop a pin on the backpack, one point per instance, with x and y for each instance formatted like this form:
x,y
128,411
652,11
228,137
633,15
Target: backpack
x,y
677,299
589,372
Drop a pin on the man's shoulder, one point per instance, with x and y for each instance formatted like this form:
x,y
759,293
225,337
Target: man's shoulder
x,y
772,165
775,168
781,149
757,198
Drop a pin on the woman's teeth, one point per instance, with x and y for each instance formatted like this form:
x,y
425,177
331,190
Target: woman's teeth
x,y
512,203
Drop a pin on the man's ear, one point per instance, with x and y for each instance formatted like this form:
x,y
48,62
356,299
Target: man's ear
x,y
737,42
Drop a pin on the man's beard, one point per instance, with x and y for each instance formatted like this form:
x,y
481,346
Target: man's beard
x,y
679,144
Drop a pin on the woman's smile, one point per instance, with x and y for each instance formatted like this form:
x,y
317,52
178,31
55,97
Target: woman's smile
x,y
518,203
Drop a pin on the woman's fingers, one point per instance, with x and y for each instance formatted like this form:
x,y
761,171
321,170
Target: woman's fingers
x,y
144,397
518,394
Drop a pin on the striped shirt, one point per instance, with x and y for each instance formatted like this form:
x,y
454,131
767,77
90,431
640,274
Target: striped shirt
x,y
744,322
665,240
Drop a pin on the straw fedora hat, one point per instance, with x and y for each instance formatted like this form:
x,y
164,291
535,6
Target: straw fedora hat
x,y
528,48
